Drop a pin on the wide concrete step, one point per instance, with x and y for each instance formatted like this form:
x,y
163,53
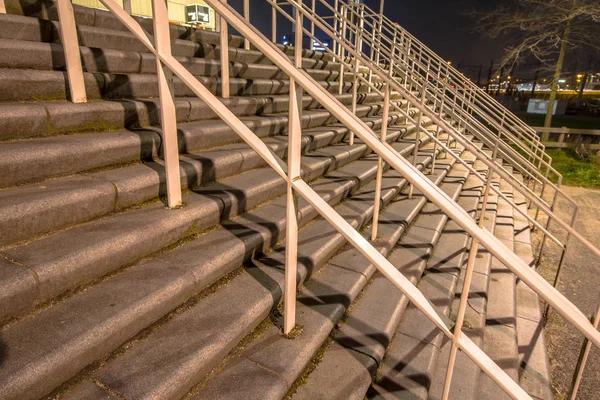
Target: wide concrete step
x,y
123,305
67,259
105,37
534,366
96,18
411,360
360,343
500,333
38,85
275,361
206,349
22,54
59,203
33,160
41,119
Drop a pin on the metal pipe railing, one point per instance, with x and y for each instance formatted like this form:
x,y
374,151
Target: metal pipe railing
x,y
458,137
290,173
546,182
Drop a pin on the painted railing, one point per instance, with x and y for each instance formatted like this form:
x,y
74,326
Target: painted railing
x,y
159,45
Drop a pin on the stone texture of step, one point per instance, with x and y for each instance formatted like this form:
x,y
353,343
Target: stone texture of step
x,y
18,85
70,258
466,374
59,118
122,326
100,284
500,334
323,302
43,207
411,358
361,341
30,55
534,366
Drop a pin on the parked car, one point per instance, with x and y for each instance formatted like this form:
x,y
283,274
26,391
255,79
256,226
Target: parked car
x,y
592,106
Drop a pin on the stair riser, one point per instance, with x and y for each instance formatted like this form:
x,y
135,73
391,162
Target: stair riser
x,y
33,161
203,213
33,85
50,56
55,372
259,307
22,120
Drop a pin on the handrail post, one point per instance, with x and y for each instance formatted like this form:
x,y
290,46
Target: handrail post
x,y
247,18
126,6
68,36
342,49
336,44
311,45
583,357
419,127
440,115
168,118
273,23
298,55
380,163
291,243
224,41
358,44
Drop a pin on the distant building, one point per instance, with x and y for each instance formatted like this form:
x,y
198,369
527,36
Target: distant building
x,y
188,12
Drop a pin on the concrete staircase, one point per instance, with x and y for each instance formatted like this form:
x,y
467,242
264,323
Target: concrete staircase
x,y
105,293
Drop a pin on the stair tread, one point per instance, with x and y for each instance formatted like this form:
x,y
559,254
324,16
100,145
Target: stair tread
x,y
320,305
368,329
183,276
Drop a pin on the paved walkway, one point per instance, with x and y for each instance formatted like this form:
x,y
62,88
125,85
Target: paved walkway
x,y
580,282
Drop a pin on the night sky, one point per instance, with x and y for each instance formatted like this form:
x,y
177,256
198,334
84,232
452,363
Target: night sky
x,y
440,24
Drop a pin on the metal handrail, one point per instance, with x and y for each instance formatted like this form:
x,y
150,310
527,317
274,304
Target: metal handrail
x,y
389,25
519,186
300,80
546,182
466,101
437,141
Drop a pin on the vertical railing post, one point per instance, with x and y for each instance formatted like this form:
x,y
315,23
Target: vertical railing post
x,y
294,162
440,116
419,127
273,24
224,40
291,243
335,29
342,49
126,6
168,119
247,18
380,164
312,26
2,7
583,357
358,44
68,36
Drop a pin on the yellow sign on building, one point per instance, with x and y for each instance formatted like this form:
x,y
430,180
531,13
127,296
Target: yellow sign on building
x,y
179,12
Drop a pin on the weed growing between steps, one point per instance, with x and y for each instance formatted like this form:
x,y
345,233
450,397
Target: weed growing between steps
x,y
255,334
312,365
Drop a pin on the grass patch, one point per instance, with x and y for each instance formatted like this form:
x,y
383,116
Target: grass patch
x,y
576,170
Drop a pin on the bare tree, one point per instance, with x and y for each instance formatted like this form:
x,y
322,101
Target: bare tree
x,y
544,29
